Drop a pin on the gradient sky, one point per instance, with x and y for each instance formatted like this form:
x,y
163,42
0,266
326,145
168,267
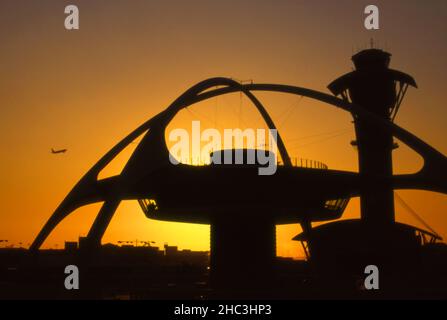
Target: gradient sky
x,y
85,90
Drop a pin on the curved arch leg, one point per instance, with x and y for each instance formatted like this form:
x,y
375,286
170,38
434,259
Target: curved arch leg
x,y
432,176
58,215
101,223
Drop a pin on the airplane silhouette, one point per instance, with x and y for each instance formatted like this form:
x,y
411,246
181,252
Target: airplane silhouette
x,y
58,151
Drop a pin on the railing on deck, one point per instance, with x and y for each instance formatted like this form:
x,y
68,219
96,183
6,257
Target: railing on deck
x,y
337,205
296,162
308,163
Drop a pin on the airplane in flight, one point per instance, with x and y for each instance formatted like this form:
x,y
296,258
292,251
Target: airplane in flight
x,y
58,151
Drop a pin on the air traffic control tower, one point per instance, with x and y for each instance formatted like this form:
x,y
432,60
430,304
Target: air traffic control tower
x,y
380,90
347,245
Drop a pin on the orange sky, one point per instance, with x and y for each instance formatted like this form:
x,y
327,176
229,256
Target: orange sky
x,y
85,90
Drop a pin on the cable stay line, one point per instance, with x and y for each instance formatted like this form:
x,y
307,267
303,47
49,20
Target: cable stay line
x,y
289,111
295,140
198,116
407,207
320,141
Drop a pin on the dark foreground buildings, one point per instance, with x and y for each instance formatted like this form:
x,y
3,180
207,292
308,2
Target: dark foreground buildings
x,y
111,272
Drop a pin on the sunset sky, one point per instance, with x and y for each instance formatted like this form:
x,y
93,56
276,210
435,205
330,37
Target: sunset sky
x,y
85,90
